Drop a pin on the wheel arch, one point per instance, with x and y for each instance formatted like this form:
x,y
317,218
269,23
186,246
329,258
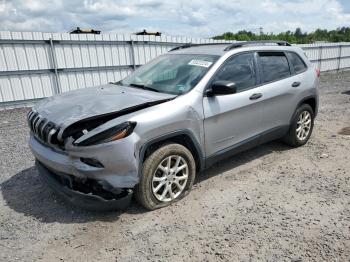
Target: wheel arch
x,y
182,137
309,100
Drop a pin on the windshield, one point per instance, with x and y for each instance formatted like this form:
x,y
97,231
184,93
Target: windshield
x,y
172,74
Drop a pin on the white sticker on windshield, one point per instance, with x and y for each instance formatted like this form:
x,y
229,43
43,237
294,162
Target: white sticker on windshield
x,y
201,63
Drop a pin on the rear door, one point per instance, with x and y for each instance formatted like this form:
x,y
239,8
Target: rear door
x,y
233,119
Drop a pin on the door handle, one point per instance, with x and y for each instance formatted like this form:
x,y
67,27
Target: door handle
x,y
296,84
255,96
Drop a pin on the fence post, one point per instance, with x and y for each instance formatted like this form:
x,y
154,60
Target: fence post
x,y
57,85
339,58
133,54
320,57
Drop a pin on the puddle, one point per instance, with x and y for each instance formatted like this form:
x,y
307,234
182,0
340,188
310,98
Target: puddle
x,y
345,131
346,92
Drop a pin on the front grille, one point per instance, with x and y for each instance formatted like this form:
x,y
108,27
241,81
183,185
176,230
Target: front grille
x,y
43,129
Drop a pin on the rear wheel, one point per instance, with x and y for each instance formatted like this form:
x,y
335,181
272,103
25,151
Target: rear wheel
x,y
301,127
167,176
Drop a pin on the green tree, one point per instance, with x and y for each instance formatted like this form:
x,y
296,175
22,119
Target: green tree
x,y
338,35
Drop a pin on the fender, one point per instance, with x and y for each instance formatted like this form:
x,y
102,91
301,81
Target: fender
x,y
301,102
168,136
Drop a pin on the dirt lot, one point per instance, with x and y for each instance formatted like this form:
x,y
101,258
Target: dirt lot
x,y
270,203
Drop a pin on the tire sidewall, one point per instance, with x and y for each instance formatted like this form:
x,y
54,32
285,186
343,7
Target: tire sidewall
x,y
151,165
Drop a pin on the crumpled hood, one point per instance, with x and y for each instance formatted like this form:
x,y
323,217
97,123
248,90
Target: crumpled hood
x,y
69,107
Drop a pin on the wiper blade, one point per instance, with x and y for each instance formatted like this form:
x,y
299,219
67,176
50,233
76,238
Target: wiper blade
x,y
144,87
118,83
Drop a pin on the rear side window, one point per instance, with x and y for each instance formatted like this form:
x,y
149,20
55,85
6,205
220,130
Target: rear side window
x,y
274,66
239,69
297,63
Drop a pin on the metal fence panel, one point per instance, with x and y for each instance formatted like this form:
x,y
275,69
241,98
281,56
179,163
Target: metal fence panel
x,y
34,65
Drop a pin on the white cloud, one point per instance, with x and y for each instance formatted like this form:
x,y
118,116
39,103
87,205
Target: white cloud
x,y
179,17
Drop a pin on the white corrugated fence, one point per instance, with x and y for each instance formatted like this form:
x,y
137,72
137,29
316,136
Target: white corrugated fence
x,y
34,65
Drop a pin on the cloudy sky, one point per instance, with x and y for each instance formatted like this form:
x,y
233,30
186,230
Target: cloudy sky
x,y
175,17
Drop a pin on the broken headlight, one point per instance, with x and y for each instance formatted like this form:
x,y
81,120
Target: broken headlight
x,y
109,135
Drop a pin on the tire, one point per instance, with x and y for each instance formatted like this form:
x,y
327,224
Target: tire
x,y
293,137
156,177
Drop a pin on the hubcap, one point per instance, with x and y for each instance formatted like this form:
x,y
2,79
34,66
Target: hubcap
x,y
303,125
170,178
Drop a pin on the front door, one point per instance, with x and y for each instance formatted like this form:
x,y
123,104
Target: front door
x,y
231,120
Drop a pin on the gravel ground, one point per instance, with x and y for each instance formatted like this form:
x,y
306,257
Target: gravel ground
x,y
271,203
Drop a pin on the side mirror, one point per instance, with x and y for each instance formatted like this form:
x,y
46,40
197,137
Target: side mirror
x,y
221,88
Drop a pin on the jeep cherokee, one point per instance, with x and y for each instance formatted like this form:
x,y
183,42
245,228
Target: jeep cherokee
x,y
150,133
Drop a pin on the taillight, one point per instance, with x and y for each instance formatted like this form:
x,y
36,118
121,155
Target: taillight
x,y
318,72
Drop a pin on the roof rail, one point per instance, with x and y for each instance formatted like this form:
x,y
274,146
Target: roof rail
x,y
190,45
248,43
181,47
234,44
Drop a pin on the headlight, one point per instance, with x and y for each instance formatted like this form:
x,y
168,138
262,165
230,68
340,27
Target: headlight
x,y
109,135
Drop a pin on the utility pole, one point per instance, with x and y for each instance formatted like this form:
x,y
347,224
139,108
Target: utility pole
x,y
261,30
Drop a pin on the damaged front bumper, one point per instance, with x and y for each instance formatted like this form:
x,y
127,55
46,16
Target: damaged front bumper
x,y
107,186
119,162
88,197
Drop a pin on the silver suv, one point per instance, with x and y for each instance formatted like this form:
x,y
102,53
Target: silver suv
x,y
151,133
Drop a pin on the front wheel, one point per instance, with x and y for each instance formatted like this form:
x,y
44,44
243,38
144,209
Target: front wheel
x,y
167,176
301,127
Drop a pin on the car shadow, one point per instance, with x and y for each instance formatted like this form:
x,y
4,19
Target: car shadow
x,y
241,159
27,194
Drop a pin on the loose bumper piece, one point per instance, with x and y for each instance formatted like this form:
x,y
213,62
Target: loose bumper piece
x,y
86,201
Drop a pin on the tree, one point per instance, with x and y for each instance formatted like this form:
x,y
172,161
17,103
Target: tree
x,y
340,34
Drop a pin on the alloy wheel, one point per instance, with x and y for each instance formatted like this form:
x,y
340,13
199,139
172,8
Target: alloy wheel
x,y
303,125
170,178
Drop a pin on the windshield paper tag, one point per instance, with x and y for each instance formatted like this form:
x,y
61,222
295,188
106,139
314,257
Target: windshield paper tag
x,y
201,63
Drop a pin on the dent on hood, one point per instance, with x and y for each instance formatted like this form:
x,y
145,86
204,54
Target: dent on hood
x,y
75,113
83,126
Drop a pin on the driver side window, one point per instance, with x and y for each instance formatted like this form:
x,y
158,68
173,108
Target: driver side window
x,y
239,69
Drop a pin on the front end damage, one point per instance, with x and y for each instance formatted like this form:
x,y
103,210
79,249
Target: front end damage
x,y
83,192
99,177
87,170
